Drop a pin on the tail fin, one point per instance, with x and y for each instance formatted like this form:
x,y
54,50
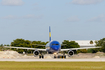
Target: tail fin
x,y
49,34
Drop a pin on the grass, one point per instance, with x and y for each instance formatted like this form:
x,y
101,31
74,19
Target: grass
x,y
52,65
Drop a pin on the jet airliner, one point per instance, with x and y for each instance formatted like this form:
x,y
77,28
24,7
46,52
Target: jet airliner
x,y
53,47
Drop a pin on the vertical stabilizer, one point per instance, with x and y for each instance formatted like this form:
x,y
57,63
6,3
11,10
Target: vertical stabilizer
x,y
49,34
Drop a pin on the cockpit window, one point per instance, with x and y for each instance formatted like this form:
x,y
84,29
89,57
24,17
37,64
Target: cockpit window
x,y
55,44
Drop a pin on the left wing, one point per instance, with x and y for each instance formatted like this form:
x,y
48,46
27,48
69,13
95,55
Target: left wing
x,y
79,48
25,48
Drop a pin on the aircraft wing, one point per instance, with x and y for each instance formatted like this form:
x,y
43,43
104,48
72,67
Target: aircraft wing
x,y
79,48
38,45
25,48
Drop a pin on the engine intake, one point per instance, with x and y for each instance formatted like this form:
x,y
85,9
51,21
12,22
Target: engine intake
x,y
36,53
70,53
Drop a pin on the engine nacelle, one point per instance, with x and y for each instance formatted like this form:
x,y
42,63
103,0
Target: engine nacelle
x,y
36,53
70,53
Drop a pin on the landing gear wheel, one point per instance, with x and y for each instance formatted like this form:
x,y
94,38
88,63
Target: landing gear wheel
x,y
55,57
40,56
65,56
43,56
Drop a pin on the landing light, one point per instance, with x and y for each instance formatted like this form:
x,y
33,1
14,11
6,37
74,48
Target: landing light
x,y
55,53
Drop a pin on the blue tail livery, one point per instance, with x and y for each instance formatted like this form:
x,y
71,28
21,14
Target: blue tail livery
x,y
49,34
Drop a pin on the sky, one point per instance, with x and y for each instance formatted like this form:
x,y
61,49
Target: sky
x,y
69,20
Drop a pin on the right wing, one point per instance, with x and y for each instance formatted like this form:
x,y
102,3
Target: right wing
x,y
38,45
25,48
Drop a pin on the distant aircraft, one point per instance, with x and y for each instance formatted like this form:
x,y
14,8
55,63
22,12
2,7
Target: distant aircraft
x,y
53,47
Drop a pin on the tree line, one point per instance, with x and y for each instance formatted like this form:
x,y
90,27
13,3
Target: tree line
x,y
65,44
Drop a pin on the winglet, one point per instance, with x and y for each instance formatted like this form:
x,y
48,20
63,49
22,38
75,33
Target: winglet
x,y
49,34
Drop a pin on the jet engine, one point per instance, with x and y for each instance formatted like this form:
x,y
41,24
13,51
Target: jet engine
x,y
70,53
36,53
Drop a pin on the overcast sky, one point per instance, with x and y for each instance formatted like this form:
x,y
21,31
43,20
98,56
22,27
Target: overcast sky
x,y
69,20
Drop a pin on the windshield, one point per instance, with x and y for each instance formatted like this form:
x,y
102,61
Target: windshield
x,y
55,44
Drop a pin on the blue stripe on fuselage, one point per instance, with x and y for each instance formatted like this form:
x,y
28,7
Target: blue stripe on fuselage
x,y
55,45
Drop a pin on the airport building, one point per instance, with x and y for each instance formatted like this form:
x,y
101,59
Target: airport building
x,y
86,43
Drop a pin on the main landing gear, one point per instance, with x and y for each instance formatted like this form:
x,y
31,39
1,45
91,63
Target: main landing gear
x,y
41,56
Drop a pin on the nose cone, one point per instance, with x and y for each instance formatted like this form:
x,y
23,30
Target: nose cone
x,y
55,47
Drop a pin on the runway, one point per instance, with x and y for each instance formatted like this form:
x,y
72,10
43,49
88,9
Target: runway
x,y
56,60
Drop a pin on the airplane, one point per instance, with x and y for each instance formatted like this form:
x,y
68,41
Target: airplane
x,y
53,47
